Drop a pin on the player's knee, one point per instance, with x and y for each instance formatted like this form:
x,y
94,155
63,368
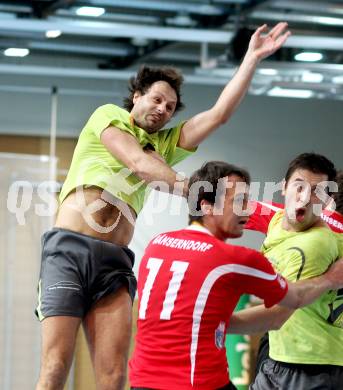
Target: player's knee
x,y
53,375
112,382
112,378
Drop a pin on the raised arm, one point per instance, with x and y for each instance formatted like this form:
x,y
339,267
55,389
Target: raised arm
x,y
146,166
203,124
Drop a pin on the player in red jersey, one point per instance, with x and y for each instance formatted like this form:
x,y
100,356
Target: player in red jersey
x,y
190,281
335,219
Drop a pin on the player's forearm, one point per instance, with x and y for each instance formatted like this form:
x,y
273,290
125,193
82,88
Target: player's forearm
x,y
305,292
258,319
159,175
198,128
236,89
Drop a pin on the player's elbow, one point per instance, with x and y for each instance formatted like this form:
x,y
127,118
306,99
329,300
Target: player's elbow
x,y
225,118
132,164
221,119
277,323
218,116
223,115
281,315
139,166
297,300
293,299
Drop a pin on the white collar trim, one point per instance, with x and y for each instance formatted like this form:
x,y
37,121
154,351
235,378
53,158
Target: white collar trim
x,y
199,228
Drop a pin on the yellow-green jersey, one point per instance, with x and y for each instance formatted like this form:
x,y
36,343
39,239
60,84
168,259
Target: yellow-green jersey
x,y
309,336
94,165
340,244
336,315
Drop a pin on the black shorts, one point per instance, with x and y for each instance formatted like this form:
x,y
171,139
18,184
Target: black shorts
x,y
275,375
263,352
77,270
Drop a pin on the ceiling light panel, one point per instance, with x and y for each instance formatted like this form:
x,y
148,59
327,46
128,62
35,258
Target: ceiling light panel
x,y
16,52
53,33
292,93
90,11
308,56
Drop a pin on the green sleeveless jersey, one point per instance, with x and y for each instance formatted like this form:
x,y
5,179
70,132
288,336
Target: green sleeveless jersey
x,y
313,334
94,165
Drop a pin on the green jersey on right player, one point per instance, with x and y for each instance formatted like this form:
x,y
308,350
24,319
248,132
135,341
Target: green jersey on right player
x,y
312,335
337,307
305,347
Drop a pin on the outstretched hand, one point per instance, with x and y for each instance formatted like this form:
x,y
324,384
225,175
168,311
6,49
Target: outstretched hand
x,y
264,46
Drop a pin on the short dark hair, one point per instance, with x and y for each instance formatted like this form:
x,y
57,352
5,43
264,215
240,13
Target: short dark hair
x,y
312,162
338,196
147,75
211,172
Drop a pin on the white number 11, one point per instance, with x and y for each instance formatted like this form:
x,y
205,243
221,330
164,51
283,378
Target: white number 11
x,y
178,268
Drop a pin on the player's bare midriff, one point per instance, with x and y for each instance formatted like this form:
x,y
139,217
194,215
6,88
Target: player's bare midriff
x,y
88,213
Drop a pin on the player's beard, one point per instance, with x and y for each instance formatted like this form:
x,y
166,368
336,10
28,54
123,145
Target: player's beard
x,y
150,126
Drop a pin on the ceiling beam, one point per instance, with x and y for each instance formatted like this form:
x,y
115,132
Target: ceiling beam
x,y
306,6
53,6
212,9
274,16
44,71
314,42
13,8
114,50
117,30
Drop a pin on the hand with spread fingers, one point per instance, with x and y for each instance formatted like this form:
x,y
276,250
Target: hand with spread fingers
x,y
265,45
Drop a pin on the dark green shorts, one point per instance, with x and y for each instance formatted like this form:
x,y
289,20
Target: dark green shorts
x,y
77,270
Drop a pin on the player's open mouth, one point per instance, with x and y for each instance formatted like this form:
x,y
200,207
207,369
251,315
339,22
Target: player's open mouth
x,y
300,214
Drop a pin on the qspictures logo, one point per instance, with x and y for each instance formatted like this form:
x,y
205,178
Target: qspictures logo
x,y
122,185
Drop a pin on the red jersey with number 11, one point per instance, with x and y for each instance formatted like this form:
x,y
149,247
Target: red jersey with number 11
x,y
189,283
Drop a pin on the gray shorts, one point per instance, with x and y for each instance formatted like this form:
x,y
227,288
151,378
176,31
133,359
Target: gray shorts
x,y
77,270
275,375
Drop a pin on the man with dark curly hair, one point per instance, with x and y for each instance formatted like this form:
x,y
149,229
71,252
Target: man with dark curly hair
x,y
86,273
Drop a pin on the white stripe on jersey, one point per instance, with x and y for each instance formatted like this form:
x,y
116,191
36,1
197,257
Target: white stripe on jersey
x,y
204,292
270,206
